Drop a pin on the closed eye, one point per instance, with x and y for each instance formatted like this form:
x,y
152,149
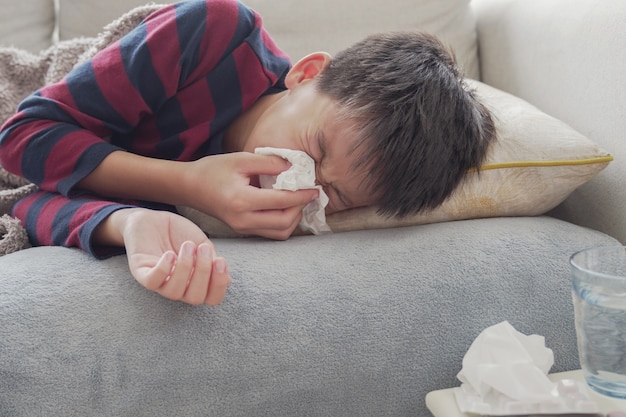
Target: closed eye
x,y
321,144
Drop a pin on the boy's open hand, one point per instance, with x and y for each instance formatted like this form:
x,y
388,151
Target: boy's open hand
x,y
226,186
170,255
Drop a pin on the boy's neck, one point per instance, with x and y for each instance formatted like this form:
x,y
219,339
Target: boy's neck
x,y
239,131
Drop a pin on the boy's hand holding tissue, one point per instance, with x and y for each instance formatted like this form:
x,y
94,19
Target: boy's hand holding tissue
x,y
299,176
234,195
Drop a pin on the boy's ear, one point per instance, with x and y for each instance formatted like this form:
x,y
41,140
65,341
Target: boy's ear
x,y
307,68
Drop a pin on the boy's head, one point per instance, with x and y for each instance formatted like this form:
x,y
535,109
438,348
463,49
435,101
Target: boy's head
x,y
388,122
418,128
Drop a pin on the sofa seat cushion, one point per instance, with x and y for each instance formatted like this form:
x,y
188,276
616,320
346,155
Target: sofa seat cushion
x,y
350,324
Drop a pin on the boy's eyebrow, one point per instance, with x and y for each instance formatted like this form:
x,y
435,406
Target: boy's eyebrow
x,y
321,143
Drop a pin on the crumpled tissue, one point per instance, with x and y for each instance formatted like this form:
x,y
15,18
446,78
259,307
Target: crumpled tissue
x,y
506,373
300,175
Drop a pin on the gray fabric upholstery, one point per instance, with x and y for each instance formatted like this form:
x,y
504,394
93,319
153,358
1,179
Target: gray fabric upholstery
x,y
563,56
351,324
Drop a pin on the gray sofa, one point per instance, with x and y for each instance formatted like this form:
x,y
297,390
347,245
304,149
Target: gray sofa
x,y
360,323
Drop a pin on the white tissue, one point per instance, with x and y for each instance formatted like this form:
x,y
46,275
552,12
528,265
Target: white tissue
x,y
505,373
300,175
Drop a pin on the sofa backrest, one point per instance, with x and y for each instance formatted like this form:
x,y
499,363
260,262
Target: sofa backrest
x,y
299,27
569,59
27,24
302,27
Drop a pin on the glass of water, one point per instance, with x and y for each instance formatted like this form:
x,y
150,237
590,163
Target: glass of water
x,y
599,295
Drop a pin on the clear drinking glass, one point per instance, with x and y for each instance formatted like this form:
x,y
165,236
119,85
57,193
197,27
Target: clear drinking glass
x,y
599,296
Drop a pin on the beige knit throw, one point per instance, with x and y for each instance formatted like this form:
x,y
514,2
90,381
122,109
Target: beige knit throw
x,y
22,73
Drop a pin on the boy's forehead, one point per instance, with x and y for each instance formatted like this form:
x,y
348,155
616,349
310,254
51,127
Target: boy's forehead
x,y
341,137
337,128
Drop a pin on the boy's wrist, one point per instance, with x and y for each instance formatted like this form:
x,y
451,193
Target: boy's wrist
x,y
191,184
181,184
111,231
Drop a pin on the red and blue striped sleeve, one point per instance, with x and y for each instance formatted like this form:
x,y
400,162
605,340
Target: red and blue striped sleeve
x,y
52,219
164,90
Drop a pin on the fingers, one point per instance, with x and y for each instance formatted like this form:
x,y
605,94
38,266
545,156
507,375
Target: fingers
x,y
265,164
198,283
153,277
220,280
272,224
270,199
194,279
274,219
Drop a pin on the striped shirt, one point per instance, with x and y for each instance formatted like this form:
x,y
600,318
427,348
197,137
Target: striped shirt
x,y
168,90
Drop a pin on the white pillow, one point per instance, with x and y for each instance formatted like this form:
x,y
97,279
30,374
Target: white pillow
x,y
535,164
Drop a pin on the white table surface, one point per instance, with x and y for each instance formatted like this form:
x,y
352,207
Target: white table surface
x,y
442,403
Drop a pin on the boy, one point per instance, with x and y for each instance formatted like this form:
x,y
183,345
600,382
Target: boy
x,y
171,115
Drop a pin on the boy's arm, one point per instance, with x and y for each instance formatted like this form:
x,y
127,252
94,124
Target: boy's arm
x,y
167,253
221,185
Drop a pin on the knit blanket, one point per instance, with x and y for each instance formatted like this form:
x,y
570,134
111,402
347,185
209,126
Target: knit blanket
x,y
22,73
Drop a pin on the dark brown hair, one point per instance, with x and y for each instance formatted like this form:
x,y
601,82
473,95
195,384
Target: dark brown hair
x,y
419,128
